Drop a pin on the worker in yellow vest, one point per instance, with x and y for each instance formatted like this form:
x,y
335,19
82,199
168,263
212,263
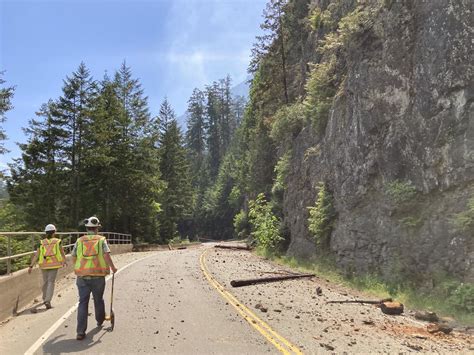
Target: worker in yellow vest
x,y
50,257
92,261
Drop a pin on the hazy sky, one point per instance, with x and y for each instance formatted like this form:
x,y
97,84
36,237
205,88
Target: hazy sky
x,y
173,46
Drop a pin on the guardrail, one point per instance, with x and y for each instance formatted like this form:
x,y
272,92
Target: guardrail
x,y
69,237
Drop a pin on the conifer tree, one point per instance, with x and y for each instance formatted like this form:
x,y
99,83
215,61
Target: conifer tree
x,y
73,110
272,45
213,130
174,167
139,178
6,95
37,180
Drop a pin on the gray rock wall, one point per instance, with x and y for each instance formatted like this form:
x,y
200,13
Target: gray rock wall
x,y
405,114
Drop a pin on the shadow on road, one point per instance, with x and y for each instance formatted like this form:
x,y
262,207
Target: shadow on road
x,y
33,309
71,345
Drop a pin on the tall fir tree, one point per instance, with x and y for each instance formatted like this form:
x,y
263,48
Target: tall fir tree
x,y
6,95
271,47
174,167
38,180
139,182
73,111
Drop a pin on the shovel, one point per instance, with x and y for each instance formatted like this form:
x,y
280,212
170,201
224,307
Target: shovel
x,y
111,317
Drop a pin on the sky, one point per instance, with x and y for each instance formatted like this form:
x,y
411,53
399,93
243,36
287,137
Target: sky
x,y
172,46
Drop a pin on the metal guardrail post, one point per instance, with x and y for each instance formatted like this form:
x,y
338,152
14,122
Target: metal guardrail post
x,y
9,253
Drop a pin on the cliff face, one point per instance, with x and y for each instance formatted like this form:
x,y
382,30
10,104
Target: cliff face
x,y
397,152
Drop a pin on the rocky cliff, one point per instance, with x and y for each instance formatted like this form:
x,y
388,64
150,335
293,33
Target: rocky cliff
x,y
397,152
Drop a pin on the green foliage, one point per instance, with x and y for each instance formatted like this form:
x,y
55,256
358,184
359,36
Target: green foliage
x,y
320,89
288,122
411,222
461,297
318,18
400,191
265,225
349,27
177,195
281,171
11,220
321,216
241,224
464,221
6,95
18,246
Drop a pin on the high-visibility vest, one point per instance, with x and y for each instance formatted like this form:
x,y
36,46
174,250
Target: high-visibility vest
x,y
50,256
90,256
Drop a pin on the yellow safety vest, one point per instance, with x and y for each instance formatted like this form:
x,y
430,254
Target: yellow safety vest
x,y
90,256
50,256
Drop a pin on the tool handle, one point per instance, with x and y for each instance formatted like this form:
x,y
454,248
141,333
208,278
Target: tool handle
x,y
112,293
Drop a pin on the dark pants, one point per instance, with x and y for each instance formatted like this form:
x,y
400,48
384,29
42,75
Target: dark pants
x,y
96,285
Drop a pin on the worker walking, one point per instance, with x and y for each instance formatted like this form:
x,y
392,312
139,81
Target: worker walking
x,y
50,257
92,261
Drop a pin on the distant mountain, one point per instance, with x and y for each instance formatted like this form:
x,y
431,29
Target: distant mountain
x,y
241,89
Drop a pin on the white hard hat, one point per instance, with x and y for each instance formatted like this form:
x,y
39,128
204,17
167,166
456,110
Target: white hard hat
x,y
92,222
50,228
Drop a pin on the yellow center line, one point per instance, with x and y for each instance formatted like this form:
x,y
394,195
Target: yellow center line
x,y
282,344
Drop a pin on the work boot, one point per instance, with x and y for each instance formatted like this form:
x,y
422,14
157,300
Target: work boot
x,y
48,305
80,336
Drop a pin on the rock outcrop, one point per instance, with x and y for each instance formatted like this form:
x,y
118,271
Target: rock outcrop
x,y
397,152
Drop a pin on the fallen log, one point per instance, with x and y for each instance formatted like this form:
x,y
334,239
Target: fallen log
x,y
363,301
241,247
248,282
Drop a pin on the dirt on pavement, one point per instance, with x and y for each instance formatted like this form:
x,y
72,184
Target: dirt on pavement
x,y
295,310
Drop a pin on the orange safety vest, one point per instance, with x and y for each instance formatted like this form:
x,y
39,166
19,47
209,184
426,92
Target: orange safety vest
x,y
90,256
50,256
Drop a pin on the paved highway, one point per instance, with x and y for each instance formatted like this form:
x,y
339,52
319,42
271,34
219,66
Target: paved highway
x,y
163,303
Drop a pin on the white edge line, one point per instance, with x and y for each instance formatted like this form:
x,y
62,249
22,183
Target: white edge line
x,y
33,348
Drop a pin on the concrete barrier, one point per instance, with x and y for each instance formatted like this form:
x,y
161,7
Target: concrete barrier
x,y
19,289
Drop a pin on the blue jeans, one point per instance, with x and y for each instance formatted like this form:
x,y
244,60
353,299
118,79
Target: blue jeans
x,y
86,285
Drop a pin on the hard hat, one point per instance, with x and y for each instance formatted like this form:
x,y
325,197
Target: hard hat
x,y
92,222
50,228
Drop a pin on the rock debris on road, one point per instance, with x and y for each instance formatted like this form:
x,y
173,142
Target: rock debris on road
x,y
165,304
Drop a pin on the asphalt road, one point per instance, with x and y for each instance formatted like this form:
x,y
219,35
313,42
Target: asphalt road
x,y
180,302
162,304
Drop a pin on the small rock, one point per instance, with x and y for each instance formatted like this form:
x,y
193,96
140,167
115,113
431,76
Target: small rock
x,y
413,347
327,346
427,316
319,291
277,310
157,332
436,328
368,322
297,317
